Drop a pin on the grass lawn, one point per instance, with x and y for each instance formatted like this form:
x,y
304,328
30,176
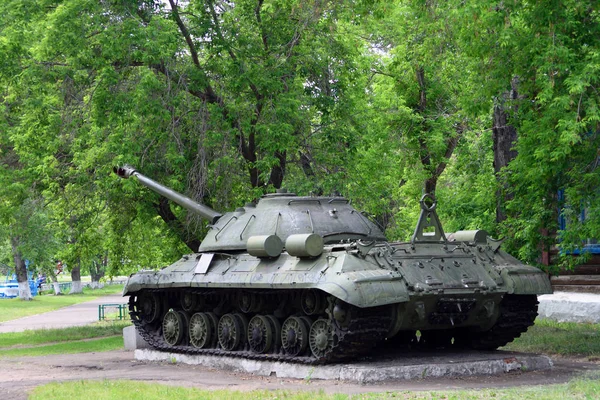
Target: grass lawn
x,y
82,346
15,308
566,339
45,336
577,389
101,336
559,338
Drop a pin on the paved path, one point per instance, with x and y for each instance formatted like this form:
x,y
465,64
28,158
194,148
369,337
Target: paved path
x,y
75,315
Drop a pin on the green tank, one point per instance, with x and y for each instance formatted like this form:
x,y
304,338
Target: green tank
x,y
312,280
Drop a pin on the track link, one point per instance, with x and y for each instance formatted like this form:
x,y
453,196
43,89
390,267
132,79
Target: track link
x,y
366,328
363,332
517,314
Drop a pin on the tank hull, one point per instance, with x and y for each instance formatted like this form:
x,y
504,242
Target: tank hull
x,y
347,300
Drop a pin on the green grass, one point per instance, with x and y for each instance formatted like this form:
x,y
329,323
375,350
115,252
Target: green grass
x,y
81,346
559,338
132,390
31,338
15,308
102,336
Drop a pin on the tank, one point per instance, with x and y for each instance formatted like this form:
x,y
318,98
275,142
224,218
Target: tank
x,y
312,280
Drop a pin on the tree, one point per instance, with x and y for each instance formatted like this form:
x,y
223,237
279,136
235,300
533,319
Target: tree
x,y
417,113
27,230
551,48
490,105
24,221
192,93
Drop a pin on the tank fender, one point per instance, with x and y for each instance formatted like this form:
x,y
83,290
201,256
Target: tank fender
x,y
367,294
369,287
139,281
524,279
346,276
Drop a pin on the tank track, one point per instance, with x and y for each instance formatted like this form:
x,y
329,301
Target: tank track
x,y
365,329
517,314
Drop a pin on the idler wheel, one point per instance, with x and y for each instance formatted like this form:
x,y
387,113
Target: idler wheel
x,y
311,301
203,330
321,339
294,335
229,332
260,334
173,327
147,306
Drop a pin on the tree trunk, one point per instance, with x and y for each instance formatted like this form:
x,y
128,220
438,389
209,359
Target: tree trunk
x,y
56,287
435,166
76,286
504,136
431,185
54,276
278,171
306,165
97,271
20,270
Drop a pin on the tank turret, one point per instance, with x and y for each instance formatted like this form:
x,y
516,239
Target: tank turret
x,y
281,214
312,280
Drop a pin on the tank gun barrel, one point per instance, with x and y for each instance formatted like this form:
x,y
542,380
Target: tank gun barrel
x,y
205,212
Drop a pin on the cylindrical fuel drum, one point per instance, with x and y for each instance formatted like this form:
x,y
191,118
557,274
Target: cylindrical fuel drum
x,y
264,246
304,245
478,236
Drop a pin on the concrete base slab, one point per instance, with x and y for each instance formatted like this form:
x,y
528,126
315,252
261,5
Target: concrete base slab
x,y
403,366
570,307
132,339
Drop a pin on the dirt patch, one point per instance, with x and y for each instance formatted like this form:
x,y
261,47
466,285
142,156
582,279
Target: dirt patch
x,y
19,375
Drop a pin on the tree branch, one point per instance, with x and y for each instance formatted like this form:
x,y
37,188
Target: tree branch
x,y
260,25
209,97
215,18
185,33
420,73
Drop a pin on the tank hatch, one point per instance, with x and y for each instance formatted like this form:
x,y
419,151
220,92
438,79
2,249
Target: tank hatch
x,y
285,214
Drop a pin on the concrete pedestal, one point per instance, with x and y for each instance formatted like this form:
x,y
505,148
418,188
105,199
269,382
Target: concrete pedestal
x,y
393,367
132,339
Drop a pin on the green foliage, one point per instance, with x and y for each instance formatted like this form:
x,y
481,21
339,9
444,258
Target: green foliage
x,y
551,49
30,230
225,101
468,185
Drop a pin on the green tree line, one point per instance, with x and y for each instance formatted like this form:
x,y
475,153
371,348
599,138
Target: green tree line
x,y
490,105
